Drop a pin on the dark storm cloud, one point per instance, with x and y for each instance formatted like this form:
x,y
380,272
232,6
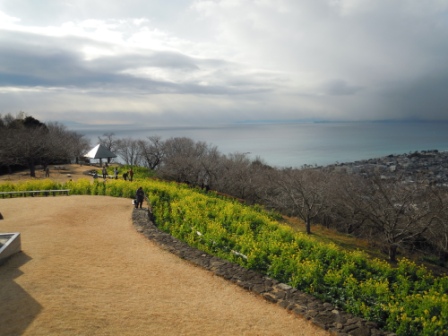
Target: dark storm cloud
x,y
421,98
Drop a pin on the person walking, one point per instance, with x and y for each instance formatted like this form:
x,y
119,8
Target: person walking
x,y
139,197
104,172
116,173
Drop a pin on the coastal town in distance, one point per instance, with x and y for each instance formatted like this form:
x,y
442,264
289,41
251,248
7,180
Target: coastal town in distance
x,y
428,167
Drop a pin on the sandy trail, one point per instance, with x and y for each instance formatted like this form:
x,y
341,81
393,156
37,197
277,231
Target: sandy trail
x,y
84,270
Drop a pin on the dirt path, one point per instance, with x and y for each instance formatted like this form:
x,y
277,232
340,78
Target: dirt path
x,y
84,270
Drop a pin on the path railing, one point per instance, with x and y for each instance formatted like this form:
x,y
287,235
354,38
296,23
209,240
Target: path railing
x,y
32,193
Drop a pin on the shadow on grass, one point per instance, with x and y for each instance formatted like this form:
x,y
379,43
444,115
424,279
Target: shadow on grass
x,y
18,308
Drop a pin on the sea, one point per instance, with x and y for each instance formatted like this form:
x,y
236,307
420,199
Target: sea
x,y
297,144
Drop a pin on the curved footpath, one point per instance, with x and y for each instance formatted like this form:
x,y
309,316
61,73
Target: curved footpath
x,y
85,270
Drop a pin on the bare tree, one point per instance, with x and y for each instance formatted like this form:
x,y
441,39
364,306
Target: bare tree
x,y
244,178
180,160
397,213
80,145
235,178
188,161
209,168
8,143
128,150
437,234
110,142
261,173
343,209
300,193
151,151
64,145
58,144
25,141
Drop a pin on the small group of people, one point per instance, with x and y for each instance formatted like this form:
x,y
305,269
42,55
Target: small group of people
x,y
139,194
128,175
103,173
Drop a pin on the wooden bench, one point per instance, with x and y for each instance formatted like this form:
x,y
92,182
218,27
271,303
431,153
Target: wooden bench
x,y
24,193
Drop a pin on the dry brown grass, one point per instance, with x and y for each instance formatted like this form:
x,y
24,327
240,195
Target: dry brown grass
x,y
60,173
372,249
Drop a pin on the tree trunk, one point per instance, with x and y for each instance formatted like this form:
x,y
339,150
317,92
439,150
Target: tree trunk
x,y
308,226
393,252
32,167
443,256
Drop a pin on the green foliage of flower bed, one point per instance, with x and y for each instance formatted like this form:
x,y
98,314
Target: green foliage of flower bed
x,y
30,185
406,299
139,172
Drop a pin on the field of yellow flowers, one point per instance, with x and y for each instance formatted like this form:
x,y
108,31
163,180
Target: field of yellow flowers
x,y
406,299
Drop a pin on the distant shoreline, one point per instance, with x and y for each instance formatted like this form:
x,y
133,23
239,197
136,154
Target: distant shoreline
x,y
297,144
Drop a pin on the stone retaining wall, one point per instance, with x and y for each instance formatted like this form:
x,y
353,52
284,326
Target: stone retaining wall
x,y
322,314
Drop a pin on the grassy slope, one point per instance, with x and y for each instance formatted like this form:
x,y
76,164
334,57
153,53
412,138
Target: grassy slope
x,y
351,243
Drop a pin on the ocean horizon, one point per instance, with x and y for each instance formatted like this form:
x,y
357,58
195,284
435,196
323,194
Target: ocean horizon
x,y
297,144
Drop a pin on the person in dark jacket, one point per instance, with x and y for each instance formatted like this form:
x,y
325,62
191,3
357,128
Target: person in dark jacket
x,y
139,197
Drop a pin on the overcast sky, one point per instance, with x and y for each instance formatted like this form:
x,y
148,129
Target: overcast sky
x,y
190,62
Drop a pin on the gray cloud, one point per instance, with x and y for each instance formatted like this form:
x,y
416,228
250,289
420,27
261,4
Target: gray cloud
x,y
211,60
57,62
339,87
422,98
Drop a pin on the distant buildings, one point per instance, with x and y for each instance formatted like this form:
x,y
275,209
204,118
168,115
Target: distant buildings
x,y
430,167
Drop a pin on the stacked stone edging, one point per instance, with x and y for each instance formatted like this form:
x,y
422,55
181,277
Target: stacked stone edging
x,y
322,314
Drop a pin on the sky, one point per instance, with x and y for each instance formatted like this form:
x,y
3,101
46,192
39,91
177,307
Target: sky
x,y
197,62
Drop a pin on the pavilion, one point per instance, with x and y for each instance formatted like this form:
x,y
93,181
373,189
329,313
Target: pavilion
x,y
100,152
